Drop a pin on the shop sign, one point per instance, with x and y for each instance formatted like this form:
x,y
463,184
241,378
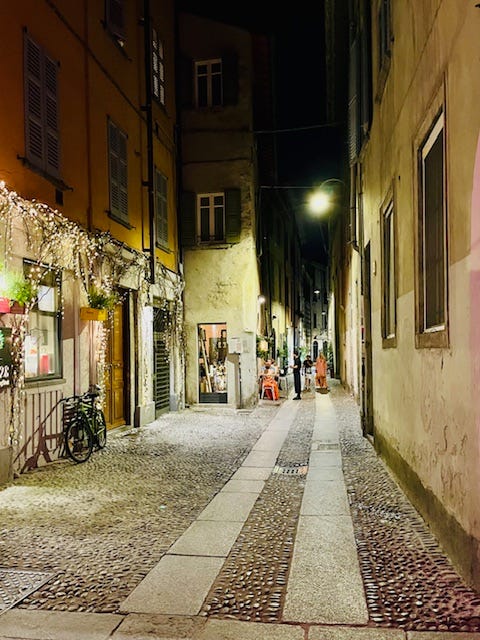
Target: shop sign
x,y
5,356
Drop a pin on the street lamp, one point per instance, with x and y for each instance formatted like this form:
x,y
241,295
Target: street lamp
x,y
320,200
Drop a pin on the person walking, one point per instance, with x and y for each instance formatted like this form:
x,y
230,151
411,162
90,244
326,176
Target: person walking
x,y
321,371
307,370
297,369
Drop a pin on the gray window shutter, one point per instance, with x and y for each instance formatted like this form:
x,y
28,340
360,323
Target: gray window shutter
x,y
230,78
187,219
233,210
115,18
186,82
34,134
52,156
117,151
42,137
354,103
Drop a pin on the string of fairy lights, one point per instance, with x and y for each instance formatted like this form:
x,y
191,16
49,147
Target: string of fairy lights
x,y
61,245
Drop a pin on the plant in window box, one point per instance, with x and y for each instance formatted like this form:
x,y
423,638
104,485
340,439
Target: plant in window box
x,y
18,292
100,302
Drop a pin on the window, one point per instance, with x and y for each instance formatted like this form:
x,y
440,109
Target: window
x,y
42,136
208,83
384,33
161,211
432,239
211,217
117,156
42,340
115,19
158,68
389,313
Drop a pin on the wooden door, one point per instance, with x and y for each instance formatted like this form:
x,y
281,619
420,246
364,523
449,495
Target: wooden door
x,y
115,372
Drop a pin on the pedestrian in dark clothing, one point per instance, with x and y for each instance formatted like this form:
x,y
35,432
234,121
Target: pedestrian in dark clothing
x,y
297,368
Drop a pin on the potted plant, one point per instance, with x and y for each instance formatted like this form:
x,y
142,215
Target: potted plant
x,y
17,292
100,302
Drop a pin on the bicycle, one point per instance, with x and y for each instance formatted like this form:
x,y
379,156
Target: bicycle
x,y
84,425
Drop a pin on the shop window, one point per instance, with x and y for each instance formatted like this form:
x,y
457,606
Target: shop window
x,y
42,340
212,363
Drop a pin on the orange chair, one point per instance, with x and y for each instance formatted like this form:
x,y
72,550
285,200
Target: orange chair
x,y
269,389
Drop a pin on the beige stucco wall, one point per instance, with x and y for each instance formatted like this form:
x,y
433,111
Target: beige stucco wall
x,y
425,401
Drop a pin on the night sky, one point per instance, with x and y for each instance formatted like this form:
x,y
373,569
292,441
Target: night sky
x,y
309,152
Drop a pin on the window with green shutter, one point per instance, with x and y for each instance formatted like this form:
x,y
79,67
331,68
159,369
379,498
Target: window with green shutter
x,y
42,135
117,155
161,210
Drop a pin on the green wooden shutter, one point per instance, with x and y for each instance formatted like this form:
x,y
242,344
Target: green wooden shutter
x,y
186,79
233,210
230,79
187,219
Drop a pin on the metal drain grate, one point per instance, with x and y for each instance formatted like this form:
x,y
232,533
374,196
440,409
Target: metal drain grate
x,y
291,470
16,585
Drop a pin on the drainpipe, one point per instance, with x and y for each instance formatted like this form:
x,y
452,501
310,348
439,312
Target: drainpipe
x,y
147,108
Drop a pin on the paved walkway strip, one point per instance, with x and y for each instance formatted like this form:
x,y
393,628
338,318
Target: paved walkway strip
x,y
184,576
325,584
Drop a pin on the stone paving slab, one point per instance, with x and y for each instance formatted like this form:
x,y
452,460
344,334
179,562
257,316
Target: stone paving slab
x,y
319,474
355,633
207,538
56,625
244,486
161,627
229,507
252,473
260,459
270,441
324,583
325,498
165,588
233,630
442,635
325,459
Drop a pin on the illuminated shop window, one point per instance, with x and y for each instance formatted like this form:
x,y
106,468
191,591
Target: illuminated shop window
x,y
42,341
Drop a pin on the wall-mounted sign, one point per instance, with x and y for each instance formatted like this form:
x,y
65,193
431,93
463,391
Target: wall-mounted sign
x,y
5,356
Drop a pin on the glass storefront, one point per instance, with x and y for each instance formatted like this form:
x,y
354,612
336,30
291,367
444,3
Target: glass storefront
x,y
212,363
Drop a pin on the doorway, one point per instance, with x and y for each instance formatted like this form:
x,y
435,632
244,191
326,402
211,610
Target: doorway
x,y
161,361
367,378
115,371
212,363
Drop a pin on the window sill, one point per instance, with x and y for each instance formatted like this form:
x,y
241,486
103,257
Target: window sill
x,y
39,383
389,343
119,220
432,340
57,183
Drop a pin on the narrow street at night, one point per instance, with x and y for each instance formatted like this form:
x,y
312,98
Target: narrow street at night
x,y
276,523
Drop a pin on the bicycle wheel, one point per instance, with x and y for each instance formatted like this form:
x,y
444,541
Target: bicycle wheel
x,y
79,439
101,428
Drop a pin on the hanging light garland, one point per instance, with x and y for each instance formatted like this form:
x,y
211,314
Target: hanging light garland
x,y
62,244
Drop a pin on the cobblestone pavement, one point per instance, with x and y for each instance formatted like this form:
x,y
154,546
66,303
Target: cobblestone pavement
x,y
100,527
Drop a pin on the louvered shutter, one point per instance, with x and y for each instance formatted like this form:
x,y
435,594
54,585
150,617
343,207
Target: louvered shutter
x,y
33,103
52,138
353,104
187,219
233,211
230,78
115,18
117,151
